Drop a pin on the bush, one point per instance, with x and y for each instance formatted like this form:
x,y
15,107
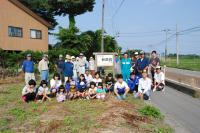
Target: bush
x,y
151,111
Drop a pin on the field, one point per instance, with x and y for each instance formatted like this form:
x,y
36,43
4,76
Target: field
x,y
75,116
184,63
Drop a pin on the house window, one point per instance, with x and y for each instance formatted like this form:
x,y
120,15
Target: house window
x,y
35,34
15,31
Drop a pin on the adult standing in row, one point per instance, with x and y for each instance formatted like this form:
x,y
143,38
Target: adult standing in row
x,y
117,65
141,64
154,62
43,68
68,68
75,68
28,69
59,66
125,67
92,66
81,64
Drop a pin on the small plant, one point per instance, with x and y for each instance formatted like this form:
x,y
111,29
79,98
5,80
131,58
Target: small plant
x,y
18,113
151,111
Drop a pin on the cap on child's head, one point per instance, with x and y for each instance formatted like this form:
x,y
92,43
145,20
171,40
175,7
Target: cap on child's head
x,y
119,76
144,71
158,67
100,84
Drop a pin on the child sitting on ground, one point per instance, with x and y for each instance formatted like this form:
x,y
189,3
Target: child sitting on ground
x,y
144,87
81,86
97,78
121,88
100,91
43,92
28,91
133,82
61,94
55,83
159,80
92,91
109,83
70,88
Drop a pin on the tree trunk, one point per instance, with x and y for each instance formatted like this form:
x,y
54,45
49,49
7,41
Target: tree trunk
x,y
71,21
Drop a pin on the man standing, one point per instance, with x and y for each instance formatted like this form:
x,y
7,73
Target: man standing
x,y
142,64
28,69
75,68
81,64
134,60
154,62
125,67
59,66
68,68
44,68
117,65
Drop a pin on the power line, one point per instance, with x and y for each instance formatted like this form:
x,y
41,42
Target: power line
x,y
118,8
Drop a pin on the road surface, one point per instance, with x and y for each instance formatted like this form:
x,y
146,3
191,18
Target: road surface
x,y
182,71
181,111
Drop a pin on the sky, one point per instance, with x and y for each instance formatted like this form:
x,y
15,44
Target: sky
x,y
139,24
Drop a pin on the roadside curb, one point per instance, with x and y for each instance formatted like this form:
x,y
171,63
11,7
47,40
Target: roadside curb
x,y
187,89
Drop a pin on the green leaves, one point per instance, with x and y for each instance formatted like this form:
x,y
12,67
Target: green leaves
x,y
151,111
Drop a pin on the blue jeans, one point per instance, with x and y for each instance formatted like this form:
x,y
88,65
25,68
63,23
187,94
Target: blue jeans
x,y
44,75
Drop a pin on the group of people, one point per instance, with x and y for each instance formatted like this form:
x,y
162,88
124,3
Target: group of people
x,y
75,77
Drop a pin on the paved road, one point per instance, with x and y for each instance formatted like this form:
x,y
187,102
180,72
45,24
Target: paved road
x,y
182,71
182,111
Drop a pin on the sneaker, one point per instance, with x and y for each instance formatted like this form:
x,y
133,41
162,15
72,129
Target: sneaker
x,y
154,89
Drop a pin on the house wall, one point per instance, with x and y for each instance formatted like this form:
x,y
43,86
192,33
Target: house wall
x,y
11,15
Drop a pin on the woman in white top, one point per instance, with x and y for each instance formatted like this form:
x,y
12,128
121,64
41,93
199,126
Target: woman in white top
x,y
144,87
92,66
97,78
55,83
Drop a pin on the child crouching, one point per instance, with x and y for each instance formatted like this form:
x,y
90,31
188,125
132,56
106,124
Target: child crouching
x,y
100,91
61,94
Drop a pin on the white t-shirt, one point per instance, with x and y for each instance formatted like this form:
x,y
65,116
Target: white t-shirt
x,y
55,83
121,85
144,84
43,90
91,65
97,81
159,78
88,78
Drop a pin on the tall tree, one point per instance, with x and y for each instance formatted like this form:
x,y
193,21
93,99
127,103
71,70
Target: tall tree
x,y
41,8
71,8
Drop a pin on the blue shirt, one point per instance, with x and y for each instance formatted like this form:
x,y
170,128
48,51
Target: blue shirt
x,y
126,64
133,82
28,66
68,69
142,63
81,85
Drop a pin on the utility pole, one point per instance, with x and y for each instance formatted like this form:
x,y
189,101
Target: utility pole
x,y
166,49
102,29
177,46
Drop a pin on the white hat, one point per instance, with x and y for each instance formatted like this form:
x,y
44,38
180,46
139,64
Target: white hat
x,y
72,57
158,67
67,56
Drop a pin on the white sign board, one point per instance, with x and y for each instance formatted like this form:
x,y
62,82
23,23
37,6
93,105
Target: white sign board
x,y
105,60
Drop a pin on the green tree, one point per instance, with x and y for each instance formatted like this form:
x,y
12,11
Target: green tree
x,y
71,8
41,8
